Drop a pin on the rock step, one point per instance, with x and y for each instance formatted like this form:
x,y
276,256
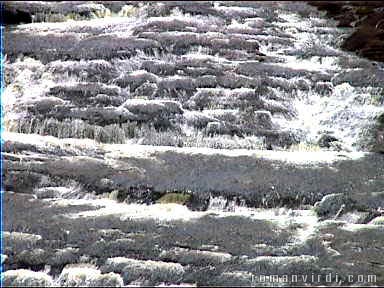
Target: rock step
x,y
261,177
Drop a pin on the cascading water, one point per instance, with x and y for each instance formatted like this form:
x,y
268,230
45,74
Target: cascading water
x,y
303,75
123,119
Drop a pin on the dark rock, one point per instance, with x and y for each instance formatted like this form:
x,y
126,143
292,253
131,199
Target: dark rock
x,y
337,205
325,140
324,88
12,17
153,108
220,128
198,119
366,17
33,257
136,79
331,204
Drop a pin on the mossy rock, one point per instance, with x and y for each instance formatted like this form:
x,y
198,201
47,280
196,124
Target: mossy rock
x,y
177,198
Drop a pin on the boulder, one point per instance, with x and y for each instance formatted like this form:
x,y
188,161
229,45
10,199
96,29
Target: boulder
x,y
331,204
26,278
152,272
153,108
326,140
136,79
32,257
222,128
197,119
78,275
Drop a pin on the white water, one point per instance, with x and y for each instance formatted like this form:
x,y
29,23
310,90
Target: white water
x,y
340,113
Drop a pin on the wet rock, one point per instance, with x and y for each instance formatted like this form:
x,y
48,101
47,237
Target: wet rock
x,y
15,16
21,241
350,206
145,272
136,79
197,119
203,98
43,105
24,43
93,70
351,242
372,137
147,90
26,180
331,204
220,128
77,92
176,86
104,100
92,9
225,115
152,108
323,88
347,19
33,257
275,138
108,46
133,171
46,12
159,24
101,116
88,276
206,81
356,217
158,67
233,81
104,249
252,69
259,120
178,40
366,40
195,257
358,77
366,17
64,256
369,201
326,140
50,48
198,202
23,277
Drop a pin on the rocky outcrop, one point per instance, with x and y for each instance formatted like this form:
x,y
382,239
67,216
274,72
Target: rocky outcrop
x,y
201,172
366,19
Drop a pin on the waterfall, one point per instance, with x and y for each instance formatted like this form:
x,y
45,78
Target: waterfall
x,y
200,143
